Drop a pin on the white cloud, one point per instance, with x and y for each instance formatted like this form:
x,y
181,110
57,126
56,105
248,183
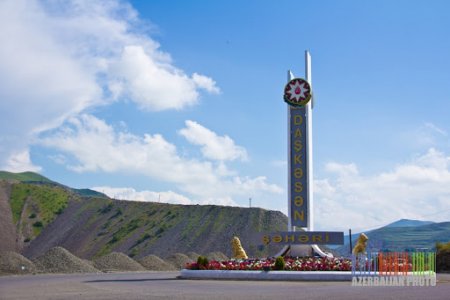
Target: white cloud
x,y
21,162
435,128
96,146
342,169
213,146
60,58
416,190
145,196
426,135
279,163
40,84
323,188
171,197
259,183
155,85
205,83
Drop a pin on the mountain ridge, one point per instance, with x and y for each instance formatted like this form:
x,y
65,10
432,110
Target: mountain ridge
x,y
402,238
24,176
409,223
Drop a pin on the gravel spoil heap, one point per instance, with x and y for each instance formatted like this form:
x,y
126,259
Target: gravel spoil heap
x,y
14,263
154,263
116,261
178,260
217,256
59,260
193,255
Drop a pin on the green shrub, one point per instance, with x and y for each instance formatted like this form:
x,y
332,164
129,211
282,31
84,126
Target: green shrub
x,y
38,224
106,208
202,262
118,213
279,263
32,216
143,238
443,257
133,253
159,232
114,239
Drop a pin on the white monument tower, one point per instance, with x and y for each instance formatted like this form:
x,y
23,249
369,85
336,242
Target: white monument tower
x,y
299,96
300,239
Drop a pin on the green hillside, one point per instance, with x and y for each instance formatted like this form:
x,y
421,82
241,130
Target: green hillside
x,y
31,177
36,206
24,177
89,193
48,215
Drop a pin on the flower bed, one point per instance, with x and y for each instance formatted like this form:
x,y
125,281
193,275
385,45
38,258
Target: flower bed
x,y
291,264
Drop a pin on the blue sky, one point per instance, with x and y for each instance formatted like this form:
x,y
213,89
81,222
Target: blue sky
x,y
181,101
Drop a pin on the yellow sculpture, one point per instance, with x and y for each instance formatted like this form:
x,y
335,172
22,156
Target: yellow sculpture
x,y
360,247
238,251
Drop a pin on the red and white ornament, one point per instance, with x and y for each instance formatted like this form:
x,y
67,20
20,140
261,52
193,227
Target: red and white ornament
x,y
297,92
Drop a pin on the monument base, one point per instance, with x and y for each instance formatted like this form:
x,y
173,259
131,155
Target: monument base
x,y
298,251
270,275
303,251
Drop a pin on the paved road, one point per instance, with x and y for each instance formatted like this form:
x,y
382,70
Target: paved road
x,y
165,285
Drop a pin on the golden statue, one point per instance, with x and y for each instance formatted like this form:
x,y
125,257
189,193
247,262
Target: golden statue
x,y
238,251
360,247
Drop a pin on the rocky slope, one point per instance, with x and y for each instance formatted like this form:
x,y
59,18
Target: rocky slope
x,y
36,216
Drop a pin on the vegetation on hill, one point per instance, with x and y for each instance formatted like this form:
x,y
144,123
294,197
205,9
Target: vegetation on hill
x,y
36,205
90,225
24,176
46,215
140,229
44,202
31,177
89,193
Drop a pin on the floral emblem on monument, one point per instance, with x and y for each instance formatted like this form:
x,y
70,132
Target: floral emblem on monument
x,y
297,92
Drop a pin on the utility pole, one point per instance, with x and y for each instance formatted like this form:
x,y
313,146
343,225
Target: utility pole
x,y
350,237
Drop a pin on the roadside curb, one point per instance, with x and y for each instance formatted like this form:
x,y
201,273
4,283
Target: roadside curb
x,y
267,275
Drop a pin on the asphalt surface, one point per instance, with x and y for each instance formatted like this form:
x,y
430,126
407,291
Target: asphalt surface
x,y
165,285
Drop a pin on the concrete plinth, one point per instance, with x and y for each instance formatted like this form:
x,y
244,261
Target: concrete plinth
x,y
267,275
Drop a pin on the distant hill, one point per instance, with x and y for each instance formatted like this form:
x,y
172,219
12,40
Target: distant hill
x,y
31,177
412,235
408,223
36,216
24,177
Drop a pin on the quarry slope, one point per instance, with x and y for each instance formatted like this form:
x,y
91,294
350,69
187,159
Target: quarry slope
x,y
36,216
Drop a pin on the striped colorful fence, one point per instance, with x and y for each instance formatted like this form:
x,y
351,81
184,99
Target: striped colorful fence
x,y
394,263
